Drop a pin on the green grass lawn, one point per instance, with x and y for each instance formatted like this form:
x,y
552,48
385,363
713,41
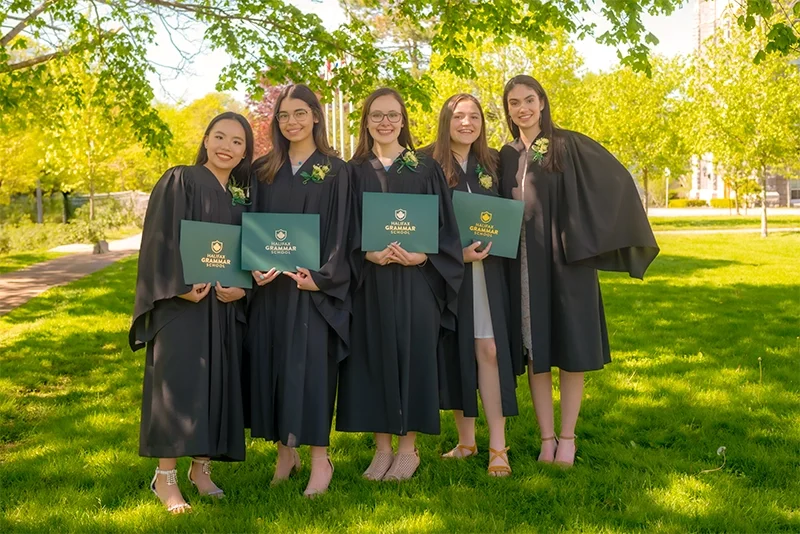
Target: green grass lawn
x,y
685,381
19,260
714,222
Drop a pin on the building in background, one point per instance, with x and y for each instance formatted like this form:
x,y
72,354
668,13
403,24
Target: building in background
x,y
707,182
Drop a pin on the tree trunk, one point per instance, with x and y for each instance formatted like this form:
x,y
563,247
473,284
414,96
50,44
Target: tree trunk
x,y
764,231
91,199
646,191
39,207
65,207
736,193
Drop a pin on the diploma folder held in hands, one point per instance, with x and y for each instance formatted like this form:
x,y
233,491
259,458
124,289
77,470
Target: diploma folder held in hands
x,y
488,219
283,241
413,220
212,253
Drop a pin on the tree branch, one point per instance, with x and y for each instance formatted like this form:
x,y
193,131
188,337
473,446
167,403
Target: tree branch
x,y
38,60
24,23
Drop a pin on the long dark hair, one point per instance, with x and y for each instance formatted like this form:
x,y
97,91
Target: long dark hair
x,y
240,173
553,160
442,151
365,140
270,164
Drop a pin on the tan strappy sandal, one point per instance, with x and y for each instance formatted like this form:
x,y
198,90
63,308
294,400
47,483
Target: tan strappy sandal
x,y
296,465
461,451
551,438
172,480
380,465
206,466
499,470
567,465
404,466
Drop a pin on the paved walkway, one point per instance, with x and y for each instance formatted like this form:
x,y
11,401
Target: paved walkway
x,y
18,287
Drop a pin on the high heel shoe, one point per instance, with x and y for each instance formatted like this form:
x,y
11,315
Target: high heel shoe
x,y
296,465
172,480
379,466
551,438
310,493
216,493
404,466
561,463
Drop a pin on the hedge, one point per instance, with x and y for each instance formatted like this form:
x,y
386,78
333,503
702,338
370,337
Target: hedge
x,y
687,203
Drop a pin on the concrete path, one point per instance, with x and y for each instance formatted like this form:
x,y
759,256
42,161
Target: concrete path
x,y
18,287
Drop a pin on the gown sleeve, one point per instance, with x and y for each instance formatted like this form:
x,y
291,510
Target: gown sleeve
x,y
603,224
449,262
355,256
160,270
333,277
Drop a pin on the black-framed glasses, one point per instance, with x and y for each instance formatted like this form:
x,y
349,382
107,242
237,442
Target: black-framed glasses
x,y
393,116
299,115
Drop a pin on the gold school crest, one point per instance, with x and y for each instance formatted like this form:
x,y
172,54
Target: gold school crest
x,y
280,235
216,247
486,217
400,215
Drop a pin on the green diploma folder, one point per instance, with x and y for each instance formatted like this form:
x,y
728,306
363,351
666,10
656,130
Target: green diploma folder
x,y
489,219
212,252
413,220
284,241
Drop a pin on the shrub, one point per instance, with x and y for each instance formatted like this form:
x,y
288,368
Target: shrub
x,y
723,203
5,243
687,203
29,236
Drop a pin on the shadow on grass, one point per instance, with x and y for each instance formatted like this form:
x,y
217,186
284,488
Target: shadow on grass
x,y
685,381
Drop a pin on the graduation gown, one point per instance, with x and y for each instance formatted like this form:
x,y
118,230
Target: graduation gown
x,y
192,399
296,338
458,368
586,218
389,383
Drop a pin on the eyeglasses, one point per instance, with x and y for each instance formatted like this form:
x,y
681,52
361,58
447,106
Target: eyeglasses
x,y
377,116
299,115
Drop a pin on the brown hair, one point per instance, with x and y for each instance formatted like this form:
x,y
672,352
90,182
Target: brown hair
x,y
480,147
553,160
365,140
270,164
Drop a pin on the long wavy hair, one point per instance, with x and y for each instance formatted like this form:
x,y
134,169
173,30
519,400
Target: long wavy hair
x,y
442,148
365,141
268,166
240,173
554,159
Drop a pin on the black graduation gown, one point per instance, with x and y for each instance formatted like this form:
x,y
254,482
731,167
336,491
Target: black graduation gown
x,y
458,369
296,338
192,399
586,218
389,383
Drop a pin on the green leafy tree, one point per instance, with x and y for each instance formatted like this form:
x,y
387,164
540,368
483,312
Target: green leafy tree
x,y
554,63
640,119
747,115
274,38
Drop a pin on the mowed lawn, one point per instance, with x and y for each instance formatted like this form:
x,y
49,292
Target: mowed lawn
x,y
706,355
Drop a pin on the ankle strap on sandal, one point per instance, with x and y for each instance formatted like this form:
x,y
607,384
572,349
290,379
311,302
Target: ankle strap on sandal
x,y
206,465
171,474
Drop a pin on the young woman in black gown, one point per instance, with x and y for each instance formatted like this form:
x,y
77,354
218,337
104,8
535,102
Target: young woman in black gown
x,y
389,383
299,321
582,214
477,356
192,399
